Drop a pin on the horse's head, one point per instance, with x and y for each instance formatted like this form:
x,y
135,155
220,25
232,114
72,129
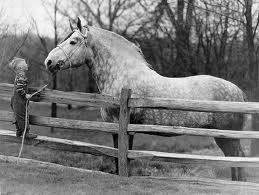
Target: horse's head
x,y
72,52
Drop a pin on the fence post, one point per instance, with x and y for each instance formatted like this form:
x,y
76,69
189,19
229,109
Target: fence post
x,y
123,144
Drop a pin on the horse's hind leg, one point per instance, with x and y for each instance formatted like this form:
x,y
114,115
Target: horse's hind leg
x,y
232,147
115,144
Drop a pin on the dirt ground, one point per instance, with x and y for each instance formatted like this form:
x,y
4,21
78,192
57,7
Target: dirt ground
x,y
37,179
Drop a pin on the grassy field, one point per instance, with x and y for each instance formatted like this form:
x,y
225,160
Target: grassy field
x,y
182,144
32,179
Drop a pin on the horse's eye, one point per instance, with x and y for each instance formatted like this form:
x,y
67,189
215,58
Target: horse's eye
x,y
72,42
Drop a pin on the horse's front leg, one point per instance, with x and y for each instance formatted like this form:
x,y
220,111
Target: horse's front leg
x,y
115,144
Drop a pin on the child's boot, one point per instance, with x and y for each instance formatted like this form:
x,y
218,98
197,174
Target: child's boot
x,y
29,135
18,133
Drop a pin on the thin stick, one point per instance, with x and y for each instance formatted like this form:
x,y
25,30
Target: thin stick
x,y
26,118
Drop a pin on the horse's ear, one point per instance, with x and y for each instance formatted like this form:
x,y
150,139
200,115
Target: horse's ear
x,y
79,25
70,24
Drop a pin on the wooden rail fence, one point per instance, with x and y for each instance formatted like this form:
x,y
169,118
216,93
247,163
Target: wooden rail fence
x,y
123,128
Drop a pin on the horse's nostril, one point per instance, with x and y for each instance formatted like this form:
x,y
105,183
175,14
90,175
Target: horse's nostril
x,y
49,62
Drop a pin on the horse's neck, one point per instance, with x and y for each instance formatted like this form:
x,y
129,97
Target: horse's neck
x,y
114,69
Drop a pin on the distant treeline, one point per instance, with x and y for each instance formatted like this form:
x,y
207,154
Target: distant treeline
x,y
160,53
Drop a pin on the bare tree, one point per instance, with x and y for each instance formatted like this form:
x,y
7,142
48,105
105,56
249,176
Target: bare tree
x,y
182,27
251,30
113,15
250,33
11,43
51,8
216,29
53,18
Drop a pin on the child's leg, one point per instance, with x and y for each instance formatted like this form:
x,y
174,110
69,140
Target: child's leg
x,y
20,124
20,114
20,129
19,108
13,119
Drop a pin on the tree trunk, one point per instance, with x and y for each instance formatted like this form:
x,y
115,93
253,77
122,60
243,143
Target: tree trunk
x,y
183,31
250,43
54,82
252,70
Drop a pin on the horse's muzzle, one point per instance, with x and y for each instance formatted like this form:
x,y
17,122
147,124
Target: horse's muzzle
x,y
54,68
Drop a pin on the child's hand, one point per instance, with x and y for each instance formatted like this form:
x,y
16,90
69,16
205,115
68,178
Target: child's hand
x,y
37,97
28,96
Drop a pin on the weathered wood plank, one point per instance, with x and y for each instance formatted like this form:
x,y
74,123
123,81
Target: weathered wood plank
x,y
195,105
206,181
75,124
64,123
173,130
60,144
76,146
148,129
46,165
74,98
195,159
78,98
123,144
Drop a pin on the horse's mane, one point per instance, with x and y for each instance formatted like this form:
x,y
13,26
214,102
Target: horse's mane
x,y
118,39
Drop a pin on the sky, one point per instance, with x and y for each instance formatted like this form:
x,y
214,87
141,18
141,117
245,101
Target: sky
x,y
19,12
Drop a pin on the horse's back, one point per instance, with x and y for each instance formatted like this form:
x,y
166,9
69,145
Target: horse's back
x,y
203,87
221,89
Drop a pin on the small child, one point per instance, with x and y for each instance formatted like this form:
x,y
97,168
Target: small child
x,y
18,100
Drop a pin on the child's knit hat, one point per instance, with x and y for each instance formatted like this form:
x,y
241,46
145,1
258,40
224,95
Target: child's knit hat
x,y
18,65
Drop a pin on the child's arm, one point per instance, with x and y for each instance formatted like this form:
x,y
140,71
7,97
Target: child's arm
x,y
36,94
21,85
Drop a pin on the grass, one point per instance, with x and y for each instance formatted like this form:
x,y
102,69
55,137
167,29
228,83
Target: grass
x,y
181,144
21,179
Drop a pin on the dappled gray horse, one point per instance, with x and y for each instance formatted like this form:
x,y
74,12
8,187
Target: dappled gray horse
x,y
117,63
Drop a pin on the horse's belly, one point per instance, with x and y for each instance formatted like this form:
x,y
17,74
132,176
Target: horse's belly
x,y
177,118
161,117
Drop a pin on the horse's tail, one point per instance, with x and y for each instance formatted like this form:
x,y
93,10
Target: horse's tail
x,y
244,97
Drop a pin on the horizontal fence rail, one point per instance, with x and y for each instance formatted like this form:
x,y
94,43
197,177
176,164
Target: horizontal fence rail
x,y
98,100
65,123
123,129
60,144
195,105
82,147
194,159
74,98
132,128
